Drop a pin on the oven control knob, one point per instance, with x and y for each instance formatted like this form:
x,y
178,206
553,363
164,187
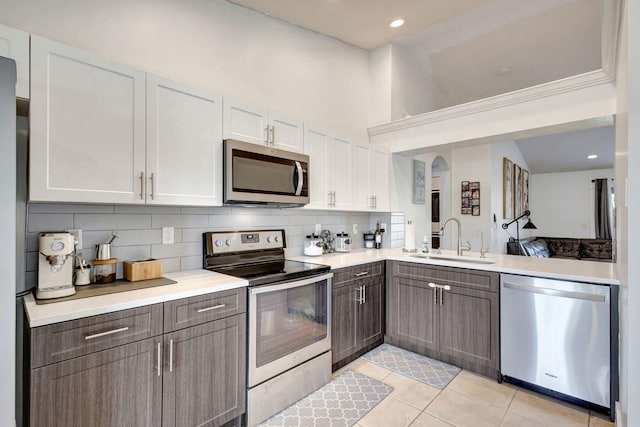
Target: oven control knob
x,y
228,242
277,239
218,243
269,239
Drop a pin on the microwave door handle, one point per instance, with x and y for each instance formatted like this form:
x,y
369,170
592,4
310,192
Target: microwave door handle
x,y
300,178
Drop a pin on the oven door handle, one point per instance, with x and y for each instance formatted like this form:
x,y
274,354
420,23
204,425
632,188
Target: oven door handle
x,y
300,175
288,285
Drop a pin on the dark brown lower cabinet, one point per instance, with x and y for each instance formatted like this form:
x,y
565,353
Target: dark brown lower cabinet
x,y
193,376
205,375
115,387
450,314
357,319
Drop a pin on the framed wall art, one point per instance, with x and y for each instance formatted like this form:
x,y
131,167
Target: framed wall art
x,y
470,198
525,190
418,182
517,193
507,188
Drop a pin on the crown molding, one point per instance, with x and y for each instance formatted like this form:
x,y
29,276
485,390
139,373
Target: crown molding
x,y
545,90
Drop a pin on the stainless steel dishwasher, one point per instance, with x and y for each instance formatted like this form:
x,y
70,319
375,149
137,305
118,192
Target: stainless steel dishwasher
x,y
555,335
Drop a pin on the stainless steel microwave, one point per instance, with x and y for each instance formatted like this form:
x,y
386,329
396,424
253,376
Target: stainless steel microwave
x,y
262,175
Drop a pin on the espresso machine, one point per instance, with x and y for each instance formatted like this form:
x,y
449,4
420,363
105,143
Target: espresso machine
x,y
55,265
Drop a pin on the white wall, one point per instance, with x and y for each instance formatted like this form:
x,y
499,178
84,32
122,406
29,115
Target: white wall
x,y
8,244
410,92
217,46
500,237
380,65
562,204
628,210
470,164
402,192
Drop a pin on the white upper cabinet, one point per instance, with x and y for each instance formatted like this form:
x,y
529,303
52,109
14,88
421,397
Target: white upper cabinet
x,y
247,123
380,176
371,178
184,144
361,177
14,44
329,169
341,173
87,139
94,141
316,146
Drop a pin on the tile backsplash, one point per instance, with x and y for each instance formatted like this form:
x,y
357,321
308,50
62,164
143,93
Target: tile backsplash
x,y
139,229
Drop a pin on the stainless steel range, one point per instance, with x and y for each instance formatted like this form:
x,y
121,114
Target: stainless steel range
x,y
289,317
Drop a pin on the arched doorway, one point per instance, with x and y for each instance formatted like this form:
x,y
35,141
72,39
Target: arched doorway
x,y
440,199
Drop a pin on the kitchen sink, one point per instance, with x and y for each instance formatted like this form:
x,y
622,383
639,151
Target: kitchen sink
x,y
461,258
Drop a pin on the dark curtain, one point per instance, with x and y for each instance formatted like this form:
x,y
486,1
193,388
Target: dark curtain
x,y
603,223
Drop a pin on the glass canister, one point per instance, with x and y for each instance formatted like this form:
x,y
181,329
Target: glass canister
x,y
343,242
104,271
369,240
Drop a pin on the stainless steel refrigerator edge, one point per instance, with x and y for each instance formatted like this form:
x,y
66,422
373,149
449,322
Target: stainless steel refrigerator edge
x,y
8,245
556,335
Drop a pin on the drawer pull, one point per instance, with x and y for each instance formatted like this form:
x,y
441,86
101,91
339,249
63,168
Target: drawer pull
x,y
215,307
364,273
102,334
445,287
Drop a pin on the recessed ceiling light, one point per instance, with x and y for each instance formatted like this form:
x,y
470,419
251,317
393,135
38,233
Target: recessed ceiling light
x,y
592,156
397,23
504,71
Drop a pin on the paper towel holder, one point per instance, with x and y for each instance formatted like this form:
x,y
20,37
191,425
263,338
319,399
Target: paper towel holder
x,y
407,247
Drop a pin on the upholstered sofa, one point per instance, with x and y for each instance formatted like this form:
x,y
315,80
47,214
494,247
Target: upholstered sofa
x,y
560,247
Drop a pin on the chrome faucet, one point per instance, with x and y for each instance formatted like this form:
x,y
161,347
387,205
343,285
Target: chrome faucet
x,y
461,248
483,250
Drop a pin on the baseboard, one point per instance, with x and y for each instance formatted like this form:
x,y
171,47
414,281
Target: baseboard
x,y
619,415
339,364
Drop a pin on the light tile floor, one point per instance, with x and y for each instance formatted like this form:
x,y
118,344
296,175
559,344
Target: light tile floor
x,y
469,400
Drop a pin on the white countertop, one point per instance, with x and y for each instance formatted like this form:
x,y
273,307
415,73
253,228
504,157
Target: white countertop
x,y
190,283
554,268
200,282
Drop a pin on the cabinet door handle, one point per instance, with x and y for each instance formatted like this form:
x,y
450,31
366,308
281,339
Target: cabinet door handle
x,y
273,135
441,296
359,299
141,185
151,194
102,334
364,294
215,307
434,285
159,359
362,273
375,202
170,355
435,293
334,199
266,135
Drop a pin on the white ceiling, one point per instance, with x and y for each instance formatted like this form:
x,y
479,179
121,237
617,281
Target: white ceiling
x,y
568,151
363,23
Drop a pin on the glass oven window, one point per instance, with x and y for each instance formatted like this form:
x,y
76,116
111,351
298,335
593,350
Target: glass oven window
x,y
289,320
